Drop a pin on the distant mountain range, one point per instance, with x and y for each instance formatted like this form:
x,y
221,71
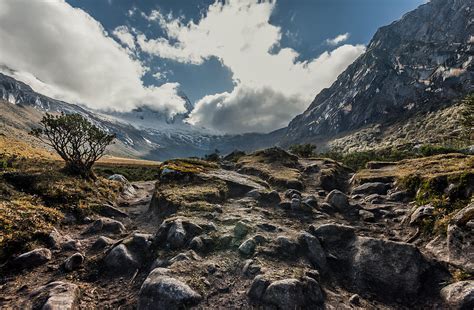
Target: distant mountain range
x,y
422,63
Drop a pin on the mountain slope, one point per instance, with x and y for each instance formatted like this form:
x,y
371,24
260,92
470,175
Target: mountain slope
x,y
420,63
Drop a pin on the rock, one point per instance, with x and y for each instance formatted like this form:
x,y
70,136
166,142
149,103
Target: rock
x,y
32,259
387,269
187,256
292,192
196,244
464,216
102,243
313,168
260,239
255,194
119,178
420,214
293,293
314,251
295,203
250,268
285,205
241,229
74,262
163,292
327,208
54,239
258,287
459,295
111,211
338,200
460,245
267,227
248,247
128,189
176,235
372,188
139,246
311,201
375,199
286,247
354,300
70,245
334,236
106,225
58,296
367,216
399,196
120,261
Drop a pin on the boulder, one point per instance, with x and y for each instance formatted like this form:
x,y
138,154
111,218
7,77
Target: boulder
x,y
399,196
106,225
128,189
311,201
372,188
420,214
286,247
293,294
120,261
176,235
101,243
58,295
241,229
258,287
367,216
290,193
32,258
163,292
459,295
460,245
74,262
314,251
247,248
110,211
338,200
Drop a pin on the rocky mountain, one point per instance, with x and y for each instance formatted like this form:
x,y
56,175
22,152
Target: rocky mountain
x,y
418,64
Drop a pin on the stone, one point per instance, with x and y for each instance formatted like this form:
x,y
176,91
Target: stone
x,y
260,239
292,192
258,287
399,196
295,203
338,200
311,201
367,216
314,251
460,246
247,248
241,229
196,244
286,247
106,225
31,259
420,214
101,243
111,211
128,189
372,188
54,239
267,227
176,237
293,293
74,262
120,261
354,300
285,205
139,245
163,292
459,295
70,245
464,216
58,295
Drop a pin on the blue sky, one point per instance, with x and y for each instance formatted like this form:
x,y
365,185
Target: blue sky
x,y
306,25
247,65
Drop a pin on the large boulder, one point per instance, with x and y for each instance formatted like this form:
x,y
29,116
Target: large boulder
x,y
461,239
313,249
371,188
160,291
32,258
57,295
120,261
338,200
459,295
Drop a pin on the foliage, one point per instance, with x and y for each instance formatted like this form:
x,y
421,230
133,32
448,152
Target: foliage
x,y
468,118
303,150
79,142
430,150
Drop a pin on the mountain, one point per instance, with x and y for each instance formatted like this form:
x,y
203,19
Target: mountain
x,y
419,64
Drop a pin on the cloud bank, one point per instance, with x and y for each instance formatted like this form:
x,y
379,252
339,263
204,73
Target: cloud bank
x,y
63,52
338,39
270,87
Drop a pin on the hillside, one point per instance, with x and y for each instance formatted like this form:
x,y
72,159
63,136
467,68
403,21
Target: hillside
x,y
417,65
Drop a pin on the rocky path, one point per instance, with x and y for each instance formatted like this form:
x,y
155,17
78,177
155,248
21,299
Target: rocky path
x,y
233,241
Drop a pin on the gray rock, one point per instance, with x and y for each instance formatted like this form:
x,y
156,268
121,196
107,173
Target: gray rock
x,y
286,247
293,293
372,188
74,262
292,192
32,258
70,245
120,261
464,216
58,295
111,211
258,287
241,229
314,251
338,200
176,235
354,300
460,245
285,205
163,292
367,216
248,247
128,189
119,178
399,196
459,295
311,201
106,225
420,214
250,268
196,244
101,243
54,239
295,203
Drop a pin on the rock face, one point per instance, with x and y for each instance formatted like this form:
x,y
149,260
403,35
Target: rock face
x,y
163,292
459,295
415,64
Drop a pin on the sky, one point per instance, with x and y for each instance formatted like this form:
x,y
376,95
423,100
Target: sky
x,y
246,65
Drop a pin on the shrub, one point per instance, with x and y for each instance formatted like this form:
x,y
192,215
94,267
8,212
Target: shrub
x,y
79,143
303,150
430,150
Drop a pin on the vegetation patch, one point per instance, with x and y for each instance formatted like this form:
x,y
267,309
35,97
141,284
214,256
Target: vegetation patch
x,y
188,165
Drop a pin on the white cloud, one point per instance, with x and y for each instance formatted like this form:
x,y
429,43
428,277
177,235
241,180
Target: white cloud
x,y
64,53
125,37
239,34
338,39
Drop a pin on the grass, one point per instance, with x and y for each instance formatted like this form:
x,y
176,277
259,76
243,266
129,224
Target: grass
x,y
188,165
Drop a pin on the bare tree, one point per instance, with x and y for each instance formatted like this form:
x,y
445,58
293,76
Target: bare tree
x,y
79,142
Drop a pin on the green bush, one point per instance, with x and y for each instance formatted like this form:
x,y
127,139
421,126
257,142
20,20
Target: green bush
x,y
430,150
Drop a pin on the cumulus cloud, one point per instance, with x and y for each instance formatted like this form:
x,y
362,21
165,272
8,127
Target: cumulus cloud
x,y
64,53
338,39
240,35
123,34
